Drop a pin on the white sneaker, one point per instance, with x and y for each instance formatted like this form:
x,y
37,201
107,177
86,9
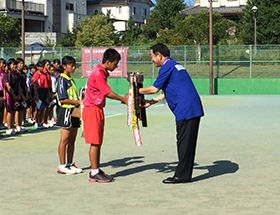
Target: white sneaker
x,y
50,123
66,170
10,132
36,126
17,129
46,125
30,121
75,168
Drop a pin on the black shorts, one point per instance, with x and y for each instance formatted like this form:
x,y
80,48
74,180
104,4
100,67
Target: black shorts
x,y
44,96
11,104
1,103
65,120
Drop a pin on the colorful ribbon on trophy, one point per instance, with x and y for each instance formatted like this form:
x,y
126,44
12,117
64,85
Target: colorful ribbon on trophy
x,y
132,119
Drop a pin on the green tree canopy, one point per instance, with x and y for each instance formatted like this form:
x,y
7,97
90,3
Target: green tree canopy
x,y
70,38
268,23
195,29
95,31
10,31
132,32
162,16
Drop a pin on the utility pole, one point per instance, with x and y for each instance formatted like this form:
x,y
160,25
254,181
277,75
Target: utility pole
x,y
210,49
22,31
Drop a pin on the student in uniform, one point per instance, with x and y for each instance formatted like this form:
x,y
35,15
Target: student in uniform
x,y
12,89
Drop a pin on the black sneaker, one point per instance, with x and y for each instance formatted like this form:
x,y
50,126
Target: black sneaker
x,y
100,177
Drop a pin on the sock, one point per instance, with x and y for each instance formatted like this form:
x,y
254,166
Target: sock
x,y
62,165
69,164
95,171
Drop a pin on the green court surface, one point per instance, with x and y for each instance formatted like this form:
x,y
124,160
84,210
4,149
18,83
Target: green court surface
x,y
236,167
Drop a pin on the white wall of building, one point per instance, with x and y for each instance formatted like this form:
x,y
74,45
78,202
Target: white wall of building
x,y
142,11
138,11
219,3
69,14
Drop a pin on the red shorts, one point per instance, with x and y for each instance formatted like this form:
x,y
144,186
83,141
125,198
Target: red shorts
x,y
93,124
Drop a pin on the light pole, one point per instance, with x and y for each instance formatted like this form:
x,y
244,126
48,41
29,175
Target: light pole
x,y
255,9
210,49
22,31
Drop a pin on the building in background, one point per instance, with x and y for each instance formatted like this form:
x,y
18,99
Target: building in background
x,y
52,18
230,9
121,10
46,18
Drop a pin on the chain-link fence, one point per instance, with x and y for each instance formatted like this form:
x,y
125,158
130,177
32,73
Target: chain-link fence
x,y
230,61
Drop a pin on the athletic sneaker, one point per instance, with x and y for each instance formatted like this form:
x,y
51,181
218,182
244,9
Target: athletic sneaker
x,y
50,123
75,168
65,170
25,122
100,177
46,125
38,126
23,129
20,129
17,130
54,120
10,132
31,121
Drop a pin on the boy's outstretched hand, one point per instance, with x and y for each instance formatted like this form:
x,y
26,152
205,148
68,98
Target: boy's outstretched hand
x,y
148,103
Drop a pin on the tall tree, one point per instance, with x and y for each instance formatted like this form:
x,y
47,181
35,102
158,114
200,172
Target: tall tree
x,y
95,31
9,32
268,23
165,10
195,29
71,36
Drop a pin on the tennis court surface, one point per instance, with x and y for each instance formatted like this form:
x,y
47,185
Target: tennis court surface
x,y
236,167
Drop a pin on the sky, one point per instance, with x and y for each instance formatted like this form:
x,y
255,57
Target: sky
x,y
185,1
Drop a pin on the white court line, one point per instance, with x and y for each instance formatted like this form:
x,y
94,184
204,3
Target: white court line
x,y
118,114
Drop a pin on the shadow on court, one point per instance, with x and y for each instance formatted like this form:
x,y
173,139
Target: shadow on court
x,y
220,167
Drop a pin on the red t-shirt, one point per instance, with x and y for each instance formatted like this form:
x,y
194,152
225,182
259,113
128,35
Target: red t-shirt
x,y
41,80
97,88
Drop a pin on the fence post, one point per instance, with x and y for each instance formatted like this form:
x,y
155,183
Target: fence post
x,y
122,61
90,63
250,61
217,61
153,71
60,53
185,56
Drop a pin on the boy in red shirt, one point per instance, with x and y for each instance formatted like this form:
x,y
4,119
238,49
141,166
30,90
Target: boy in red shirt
x,y
41,83
93,116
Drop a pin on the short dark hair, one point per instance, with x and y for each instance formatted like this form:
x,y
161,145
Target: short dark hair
x,y
160,48
111,55
25,67
56,61
32,66
68,60
10,62
46,61
18,60
2,60
40,64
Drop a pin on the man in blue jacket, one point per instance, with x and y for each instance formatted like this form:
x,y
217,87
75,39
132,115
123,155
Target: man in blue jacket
x,y
184,101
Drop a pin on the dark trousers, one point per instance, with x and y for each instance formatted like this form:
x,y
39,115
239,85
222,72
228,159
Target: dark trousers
x,y
187,131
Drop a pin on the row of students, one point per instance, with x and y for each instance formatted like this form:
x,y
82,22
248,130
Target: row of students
x,y
20,91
